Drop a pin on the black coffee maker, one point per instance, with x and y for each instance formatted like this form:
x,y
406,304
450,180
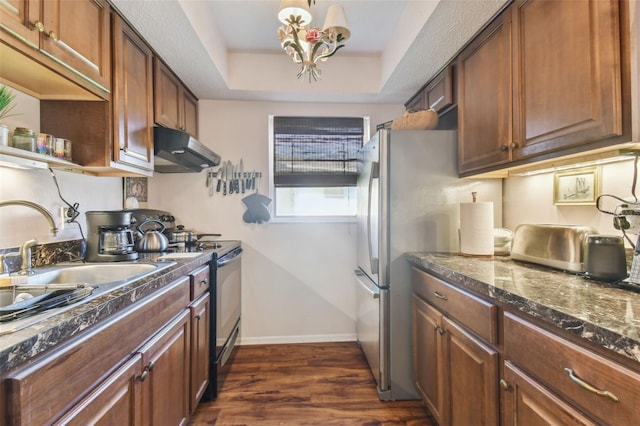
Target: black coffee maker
x,y
110,238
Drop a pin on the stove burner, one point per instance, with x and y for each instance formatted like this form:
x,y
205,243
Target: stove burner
x,y
189,248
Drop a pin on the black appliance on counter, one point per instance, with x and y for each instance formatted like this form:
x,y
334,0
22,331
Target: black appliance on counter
x,y
225,277
110,238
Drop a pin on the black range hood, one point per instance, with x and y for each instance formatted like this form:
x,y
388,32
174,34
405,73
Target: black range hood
x,y
177,152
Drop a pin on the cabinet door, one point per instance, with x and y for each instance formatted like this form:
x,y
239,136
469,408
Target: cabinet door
x,y
472,378
200,315
190,115
165,392
116,401
427,356
527,403
417,102
485,98
132,98
77,34
19,20
439,92
166,90
567,73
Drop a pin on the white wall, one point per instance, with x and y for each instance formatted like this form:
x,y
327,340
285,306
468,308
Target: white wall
x,y
297,278
530,200
19,224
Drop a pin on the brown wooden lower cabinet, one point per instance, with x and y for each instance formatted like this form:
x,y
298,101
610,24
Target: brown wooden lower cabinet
x,y
592,384
200,315
471,384
117,401
528,403
455,372
427,356
530,376
142,366
165,390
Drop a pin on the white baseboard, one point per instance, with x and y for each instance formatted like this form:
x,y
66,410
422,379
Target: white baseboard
x,y
322,338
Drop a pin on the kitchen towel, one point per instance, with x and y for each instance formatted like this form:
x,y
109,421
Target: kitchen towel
x,y
476,228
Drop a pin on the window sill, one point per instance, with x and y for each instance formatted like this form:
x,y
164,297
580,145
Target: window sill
x,y
313,219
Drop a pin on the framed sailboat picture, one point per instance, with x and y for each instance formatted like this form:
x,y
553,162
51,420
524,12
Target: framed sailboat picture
x,y
576,187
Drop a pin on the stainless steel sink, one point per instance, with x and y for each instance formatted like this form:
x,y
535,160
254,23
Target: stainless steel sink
x,y
89,281
94,274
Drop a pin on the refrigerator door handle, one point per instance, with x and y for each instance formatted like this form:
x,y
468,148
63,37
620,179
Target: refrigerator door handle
x,y
369,290
375,174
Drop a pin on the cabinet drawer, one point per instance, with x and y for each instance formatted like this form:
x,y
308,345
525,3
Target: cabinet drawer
x,y
475,314
199,281
549,358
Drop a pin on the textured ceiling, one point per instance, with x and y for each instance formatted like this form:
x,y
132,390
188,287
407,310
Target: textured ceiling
x,y
228,49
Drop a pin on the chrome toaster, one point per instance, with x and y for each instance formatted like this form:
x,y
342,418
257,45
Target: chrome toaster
x,y
557,246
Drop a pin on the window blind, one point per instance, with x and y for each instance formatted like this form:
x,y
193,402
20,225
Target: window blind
x,y
316,151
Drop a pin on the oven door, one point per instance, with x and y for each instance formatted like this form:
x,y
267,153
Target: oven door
x,y
228,294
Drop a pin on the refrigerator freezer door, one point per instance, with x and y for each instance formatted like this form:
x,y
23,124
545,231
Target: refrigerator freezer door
x,y
372,329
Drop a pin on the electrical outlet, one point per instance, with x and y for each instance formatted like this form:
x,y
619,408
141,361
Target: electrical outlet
x,y
64,217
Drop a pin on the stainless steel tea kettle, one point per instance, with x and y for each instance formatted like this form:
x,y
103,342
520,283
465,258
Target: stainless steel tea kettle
x,y
151,240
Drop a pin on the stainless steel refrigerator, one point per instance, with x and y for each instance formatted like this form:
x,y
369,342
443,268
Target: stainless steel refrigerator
x,y
408,200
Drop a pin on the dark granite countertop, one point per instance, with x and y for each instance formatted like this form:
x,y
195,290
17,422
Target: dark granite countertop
x,y
19,346
596,311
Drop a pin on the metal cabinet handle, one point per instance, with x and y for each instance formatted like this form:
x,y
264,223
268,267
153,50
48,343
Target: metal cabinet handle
x,y
504,385
150,366
203,282
513,145
52,35
198,317
504,148
440,331
143,375
38,26
589,387
440,295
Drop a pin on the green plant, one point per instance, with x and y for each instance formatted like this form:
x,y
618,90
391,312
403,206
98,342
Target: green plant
x,y
6,98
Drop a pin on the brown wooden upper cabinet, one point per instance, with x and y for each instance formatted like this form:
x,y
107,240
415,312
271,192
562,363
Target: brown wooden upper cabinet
x,y
545,76
72,37
437,93
174,106
484,97
132,98
112,137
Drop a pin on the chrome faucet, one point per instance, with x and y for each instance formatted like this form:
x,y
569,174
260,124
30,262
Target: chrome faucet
x,y
25,250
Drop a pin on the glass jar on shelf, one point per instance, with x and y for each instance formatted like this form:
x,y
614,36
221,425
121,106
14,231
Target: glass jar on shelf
x,y
67,150
24,138
45,144
58,148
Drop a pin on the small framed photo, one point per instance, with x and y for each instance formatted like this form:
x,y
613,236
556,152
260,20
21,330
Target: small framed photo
x,y
576,187
135,192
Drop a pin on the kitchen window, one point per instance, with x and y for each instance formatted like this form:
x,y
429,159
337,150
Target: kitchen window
x,y
313,166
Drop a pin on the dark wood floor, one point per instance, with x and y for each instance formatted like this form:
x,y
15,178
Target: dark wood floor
x,y
304,384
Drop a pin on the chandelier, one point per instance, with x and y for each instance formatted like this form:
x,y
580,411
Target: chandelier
x,y
306,45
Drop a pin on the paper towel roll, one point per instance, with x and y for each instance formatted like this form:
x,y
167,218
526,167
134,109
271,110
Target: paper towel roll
x,y
476,229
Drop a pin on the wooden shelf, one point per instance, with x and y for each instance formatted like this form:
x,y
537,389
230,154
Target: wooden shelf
x,y
23,158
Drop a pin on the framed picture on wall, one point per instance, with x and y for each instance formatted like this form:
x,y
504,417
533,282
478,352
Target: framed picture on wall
x,y
576,187
135,192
